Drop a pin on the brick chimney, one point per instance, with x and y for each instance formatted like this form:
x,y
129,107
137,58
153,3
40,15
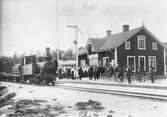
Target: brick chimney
x,y
108,33
125,28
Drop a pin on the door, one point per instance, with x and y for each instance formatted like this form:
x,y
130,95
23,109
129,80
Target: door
x,y
152,62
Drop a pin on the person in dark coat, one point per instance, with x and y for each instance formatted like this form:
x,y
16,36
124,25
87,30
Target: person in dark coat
x,y
69,73
72,74
102,71
120,73
111,71
90,72
152,71
80,72
98,72
117,69
114,71
140,74
95,72
129,73
60,73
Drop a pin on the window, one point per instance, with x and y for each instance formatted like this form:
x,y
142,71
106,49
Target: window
x,y
93,59
131,62
141,63
141,42
152,62
154,45
127,45
83,63
105,61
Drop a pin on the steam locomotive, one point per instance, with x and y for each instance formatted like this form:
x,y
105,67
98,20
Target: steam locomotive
x,y
37,70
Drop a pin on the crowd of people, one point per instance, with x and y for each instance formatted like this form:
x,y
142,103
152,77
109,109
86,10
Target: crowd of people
x,y
117,73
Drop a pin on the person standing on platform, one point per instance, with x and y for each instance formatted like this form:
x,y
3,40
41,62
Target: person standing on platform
x,y
129,72
120,73
80,72
152,71
90,72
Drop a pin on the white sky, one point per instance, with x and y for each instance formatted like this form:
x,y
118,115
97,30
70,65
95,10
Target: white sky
x,y
31,25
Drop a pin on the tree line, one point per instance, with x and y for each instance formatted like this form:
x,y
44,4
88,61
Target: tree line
x,y
6,62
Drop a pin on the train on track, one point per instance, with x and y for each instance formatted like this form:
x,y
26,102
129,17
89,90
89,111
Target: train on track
x,y
34,69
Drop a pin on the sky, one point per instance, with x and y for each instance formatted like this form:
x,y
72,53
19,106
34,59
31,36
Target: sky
x,y
29,26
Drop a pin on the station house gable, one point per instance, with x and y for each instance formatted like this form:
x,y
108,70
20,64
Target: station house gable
x,y
137,47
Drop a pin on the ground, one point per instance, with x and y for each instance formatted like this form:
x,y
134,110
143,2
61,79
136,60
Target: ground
x,y
50,101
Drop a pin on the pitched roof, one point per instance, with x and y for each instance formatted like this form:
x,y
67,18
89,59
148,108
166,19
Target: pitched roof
x,y
82,50
97,42
165,44
116,39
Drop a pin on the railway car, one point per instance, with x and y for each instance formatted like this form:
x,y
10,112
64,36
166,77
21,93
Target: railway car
x,y
16,73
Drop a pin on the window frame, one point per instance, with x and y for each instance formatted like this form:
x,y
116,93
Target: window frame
x,y
93,59
149,58
134,62
126,45
154,47
144,61
104,58
139,38
83,62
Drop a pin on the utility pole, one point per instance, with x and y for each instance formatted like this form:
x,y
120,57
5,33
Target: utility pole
x,y
57,31
75,42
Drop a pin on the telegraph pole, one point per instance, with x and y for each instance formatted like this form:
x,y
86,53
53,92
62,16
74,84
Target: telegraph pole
x,y
75,42
57,31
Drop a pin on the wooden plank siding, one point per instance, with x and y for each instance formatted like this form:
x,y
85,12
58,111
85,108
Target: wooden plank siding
x,y
134,51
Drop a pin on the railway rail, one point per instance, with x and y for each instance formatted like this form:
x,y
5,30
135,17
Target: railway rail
x,y
158,97
117,92
120,85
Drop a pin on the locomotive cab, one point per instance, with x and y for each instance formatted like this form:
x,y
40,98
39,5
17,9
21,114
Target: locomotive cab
x,y
29,67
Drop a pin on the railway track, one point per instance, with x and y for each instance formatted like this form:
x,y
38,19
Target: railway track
x,y
116,92
120,85
158,97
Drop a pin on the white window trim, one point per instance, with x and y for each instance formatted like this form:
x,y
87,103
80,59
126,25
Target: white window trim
x,y
164,62
105,58
153,45
93,57
126,47
144,61
115,57
84,62
155,62
134,62
144,42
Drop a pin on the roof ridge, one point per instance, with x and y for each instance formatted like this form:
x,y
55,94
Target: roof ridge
x,y
113,40
128,30
104,37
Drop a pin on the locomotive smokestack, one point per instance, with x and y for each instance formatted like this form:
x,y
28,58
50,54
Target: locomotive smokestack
x,y
48,52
